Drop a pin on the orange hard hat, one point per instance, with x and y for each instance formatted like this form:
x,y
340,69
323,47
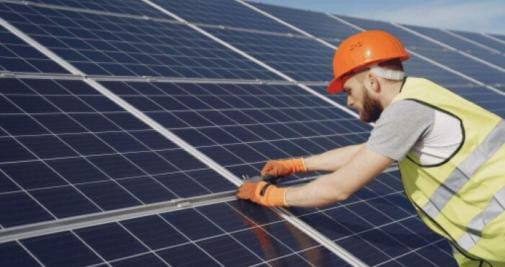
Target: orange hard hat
x,y
363,50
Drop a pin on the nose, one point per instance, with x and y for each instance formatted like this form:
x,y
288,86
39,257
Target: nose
x,y
350,102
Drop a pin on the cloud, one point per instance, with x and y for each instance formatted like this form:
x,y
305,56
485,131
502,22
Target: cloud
x,y
478,16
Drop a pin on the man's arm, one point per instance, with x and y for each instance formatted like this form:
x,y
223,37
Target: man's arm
x,y
332,160
339,185
328,161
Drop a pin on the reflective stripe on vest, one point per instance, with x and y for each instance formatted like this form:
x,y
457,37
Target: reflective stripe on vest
x,y
458,178
495,207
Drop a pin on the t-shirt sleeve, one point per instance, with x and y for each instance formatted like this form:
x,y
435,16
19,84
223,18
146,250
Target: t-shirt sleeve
x,y
399,128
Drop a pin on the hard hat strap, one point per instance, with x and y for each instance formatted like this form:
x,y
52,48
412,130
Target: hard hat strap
x,y
387,73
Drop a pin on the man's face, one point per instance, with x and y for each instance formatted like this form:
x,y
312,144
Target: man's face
x,y
359,99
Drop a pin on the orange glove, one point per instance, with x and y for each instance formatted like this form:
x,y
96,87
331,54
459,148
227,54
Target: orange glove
x,y
263,193
283,167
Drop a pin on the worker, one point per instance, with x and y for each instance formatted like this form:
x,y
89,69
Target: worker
x,y
450,151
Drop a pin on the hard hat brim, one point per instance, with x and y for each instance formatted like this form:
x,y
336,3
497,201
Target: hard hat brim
x,y
335,86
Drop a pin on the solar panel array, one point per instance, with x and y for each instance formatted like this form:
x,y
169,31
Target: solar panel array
x,y
72,150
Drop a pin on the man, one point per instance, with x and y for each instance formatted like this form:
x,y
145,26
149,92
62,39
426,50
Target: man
x,y
451,152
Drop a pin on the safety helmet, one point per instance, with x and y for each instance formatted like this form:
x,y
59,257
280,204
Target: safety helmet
x,y
361,51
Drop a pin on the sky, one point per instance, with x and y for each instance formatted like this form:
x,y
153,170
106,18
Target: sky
x,y
486,16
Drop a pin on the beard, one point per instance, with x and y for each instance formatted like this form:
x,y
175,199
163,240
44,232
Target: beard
x,y
372,109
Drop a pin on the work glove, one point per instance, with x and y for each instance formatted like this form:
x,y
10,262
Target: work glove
x,y
263,193
283,167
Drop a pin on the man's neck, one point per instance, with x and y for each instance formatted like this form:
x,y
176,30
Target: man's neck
x,y
392,89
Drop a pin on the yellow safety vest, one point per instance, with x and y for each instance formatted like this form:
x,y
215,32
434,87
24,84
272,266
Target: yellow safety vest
x,y
462,198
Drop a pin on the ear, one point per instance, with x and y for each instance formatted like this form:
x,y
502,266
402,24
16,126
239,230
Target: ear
x,y
372,83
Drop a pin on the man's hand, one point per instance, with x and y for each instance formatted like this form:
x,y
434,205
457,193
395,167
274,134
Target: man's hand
x,y
263,193
283,167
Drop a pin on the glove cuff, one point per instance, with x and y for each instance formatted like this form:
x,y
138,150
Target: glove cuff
x,y
298,165
275,196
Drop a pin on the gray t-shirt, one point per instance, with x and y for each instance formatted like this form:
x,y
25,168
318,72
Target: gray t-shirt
x,y
399,127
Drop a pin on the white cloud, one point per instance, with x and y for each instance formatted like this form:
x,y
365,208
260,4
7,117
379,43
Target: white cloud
x,y
479,16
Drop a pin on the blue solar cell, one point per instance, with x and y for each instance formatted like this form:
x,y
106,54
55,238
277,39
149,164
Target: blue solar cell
x,y
95,122
181,159
189,255
111,241
147,190
12,254
144,260
20,125
152,163
108,195
192,224
224,248
87,144
154,232
62,249
6,185
59,123
32,104
212,181
116,166
13,151
126,121
182,185
46,146
69,104
19,209
153,140
226,217
7,107
77,170
32,175
74,202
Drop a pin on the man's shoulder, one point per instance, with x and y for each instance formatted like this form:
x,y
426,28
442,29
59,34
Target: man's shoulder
x,y
407,108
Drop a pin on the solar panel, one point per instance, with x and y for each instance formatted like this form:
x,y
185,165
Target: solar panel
x,y
124,46
63,140
69,152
